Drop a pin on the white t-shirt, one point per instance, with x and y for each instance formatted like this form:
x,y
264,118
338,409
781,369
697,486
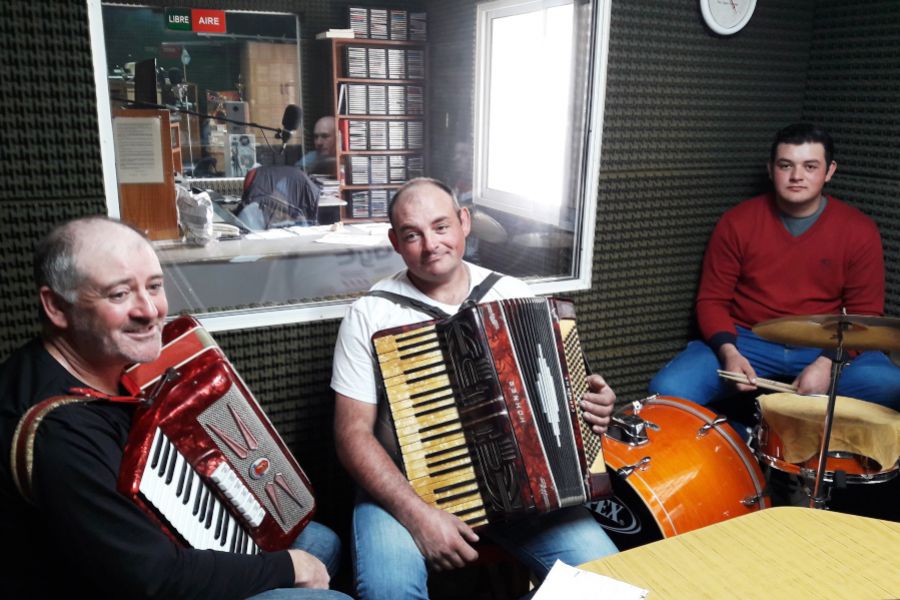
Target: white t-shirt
x,y
354,371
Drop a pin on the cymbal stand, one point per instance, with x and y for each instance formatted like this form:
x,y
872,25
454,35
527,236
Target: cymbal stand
x,y
817,500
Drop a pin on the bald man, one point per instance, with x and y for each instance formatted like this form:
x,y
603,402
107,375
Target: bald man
x,y
323,159
103,305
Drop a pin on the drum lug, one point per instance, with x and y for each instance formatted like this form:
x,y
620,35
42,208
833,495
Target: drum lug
x,y
641,465
752,501
706,428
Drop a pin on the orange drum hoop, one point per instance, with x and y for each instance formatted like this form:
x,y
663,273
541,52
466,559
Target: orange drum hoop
x,y
689,470
858,469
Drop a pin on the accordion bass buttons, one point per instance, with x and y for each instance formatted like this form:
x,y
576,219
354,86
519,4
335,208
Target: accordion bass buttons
x,y
235,490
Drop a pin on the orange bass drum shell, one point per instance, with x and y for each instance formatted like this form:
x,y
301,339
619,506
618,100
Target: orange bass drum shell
x,y
688,474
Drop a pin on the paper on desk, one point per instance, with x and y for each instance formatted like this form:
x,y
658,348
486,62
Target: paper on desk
x,y
269,234
352,239
572,583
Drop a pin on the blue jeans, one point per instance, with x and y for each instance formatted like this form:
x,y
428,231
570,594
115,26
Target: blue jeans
x,y
871,376
387,563
322,543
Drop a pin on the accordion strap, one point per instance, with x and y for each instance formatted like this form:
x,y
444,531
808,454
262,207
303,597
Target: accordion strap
x,y
21,453
474,297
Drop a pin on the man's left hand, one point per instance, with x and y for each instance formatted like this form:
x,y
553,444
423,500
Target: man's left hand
x,y
815,378
598,403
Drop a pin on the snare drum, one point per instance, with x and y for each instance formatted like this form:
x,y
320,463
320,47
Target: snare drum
x,y
675,466
864,441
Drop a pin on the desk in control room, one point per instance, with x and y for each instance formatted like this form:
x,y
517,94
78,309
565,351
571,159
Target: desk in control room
x,y
785,552
253,272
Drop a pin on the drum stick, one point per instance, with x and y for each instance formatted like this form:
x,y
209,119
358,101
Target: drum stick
x,y
767,384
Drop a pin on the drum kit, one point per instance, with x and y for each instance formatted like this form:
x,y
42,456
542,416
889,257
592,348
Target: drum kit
x,y
674,468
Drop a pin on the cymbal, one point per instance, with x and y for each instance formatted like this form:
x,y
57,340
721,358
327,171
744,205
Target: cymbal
x,y
860,332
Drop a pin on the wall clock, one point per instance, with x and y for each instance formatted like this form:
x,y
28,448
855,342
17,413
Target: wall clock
x,y
727,17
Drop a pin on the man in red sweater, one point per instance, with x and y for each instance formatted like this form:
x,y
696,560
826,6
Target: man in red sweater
x,y
788,253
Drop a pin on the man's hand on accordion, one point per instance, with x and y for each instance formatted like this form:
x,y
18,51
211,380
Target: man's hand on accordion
x,y
443,538
597,403
309,571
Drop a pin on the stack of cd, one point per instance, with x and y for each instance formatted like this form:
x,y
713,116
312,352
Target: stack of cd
x,y
379,170
396,63
396,100
415,135
379,203
357,102
377,100
414,100
356,62
417,26
359,170
377,63
399,25
377,135
378,23
397,135
415,64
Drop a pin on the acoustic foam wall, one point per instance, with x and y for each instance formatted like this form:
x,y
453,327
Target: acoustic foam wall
x,y
853,88
688,120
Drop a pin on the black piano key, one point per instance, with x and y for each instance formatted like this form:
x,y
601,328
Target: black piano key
x,y
219,512
188,485
170,470
237,539
164,463
179,489
197,497
157,448
205,513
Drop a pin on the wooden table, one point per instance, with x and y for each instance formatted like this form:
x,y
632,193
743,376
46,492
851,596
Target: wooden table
x,y
783,552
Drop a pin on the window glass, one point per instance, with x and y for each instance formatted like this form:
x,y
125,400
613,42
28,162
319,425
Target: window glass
x,y
200,101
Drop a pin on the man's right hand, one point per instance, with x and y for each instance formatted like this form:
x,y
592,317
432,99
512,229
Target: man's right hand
x,y
309,571
734,362
443,539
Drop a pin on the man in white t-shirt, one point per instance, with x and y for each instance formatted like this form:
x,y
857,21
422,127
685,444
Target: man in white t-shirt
x,y
396,536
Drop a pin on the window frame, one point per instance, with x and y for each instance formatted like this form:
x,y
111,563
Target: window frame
x,y
585,187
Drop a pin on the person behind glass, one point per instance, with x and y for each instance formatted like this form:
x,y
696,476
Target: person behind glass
x,y
794,251
397,537
102,305
322,160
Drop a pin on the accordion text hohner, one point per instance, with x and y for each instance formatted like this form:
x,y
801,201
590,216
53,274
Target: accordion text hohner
x,y
486,410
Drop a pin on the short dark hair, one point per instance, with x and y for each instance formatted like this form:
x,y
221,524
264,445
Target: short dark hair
x,y
55,264
418,181
803,133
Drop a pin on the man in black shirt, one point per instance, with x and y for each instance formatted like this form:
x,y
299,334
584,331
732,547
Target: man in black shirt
x,y
103,304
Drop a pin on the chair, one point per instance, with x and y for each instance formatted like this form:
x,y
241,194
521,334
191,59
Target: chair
x,y
277,196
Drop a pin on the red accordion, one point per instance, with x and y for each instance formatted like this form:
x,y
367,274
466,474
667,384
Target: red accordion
x,y
202,459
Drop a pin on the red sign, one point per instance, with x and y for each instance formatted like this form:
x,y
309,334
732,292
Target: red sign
x,y
209,21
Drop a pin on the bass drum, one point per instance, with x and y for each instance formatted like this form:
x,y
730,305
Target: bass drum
x,y
675,466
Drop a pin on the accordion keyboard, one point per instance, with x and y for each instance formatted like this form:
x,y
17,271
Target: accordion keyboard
x,y
427,422
181,496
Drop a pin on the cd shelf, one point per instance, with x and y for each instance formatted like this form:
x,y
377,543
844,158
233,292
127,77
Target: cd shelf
x,y
379,92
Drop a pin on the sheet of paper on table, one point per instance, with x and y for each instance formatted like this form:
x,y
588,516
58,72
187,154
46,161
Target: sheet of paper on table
x,y
572,583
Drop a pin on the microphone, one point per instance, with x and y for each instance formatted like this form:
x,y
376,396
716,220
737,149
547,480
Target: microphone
x,y
293,114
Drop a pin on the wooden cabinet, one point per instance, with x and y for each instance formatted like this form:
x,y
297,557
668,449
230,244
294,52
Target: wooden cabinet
x,y
147,195
380,114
